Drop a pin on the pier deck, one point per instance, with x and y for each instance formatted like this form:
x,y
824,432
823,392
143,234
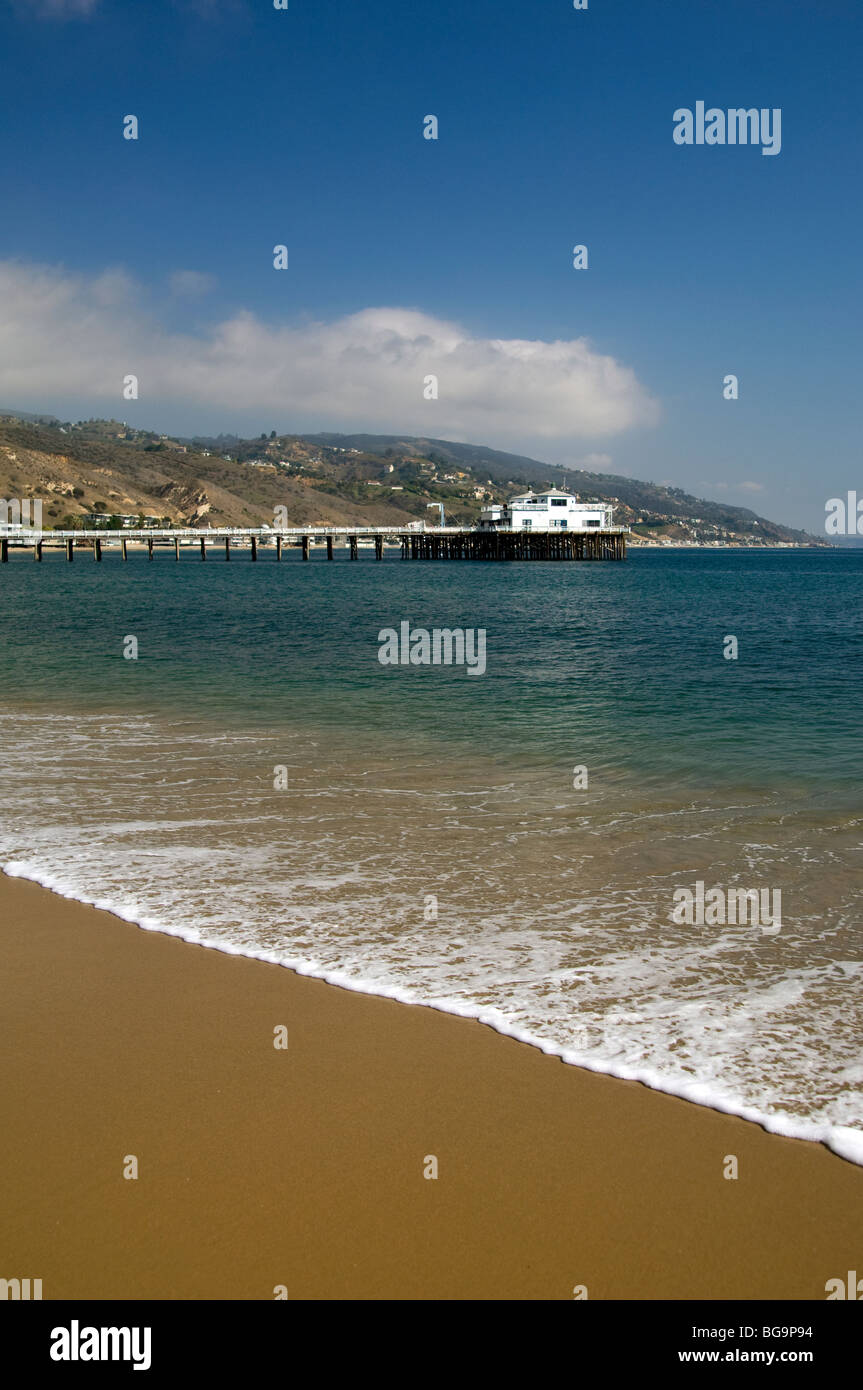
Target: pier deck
x,y
440,543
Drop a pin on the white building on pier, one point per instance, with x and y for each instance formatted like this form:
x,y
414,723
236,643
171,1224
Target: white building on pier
x,y
550,510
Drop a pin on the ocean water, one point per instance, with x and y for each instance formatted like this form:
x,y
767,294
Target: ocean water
x,y
430,843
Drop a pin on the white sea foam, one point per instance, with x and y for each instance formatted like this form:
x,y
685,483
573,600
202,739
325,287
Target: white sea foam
x,y
844,1140
549,929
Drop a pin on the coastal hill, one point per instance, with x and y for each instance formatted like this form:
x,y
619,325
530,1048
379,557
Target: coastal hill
x,y
102,467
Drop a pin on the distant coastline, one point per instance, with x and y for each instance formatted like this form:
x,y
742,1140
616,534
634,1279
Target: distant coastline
x,y
95,471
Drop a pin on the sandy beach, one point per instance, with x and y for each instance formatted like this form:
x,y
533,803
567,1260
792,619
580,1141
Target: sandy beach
x,y
304,1167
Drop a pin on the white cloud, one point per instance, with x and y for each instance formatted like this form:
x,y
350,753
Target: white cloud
x,y
66,336
191,284
751,487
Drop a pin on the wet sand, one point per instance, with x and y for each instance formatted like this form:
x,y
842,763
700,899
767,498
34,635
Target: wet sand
x,y
261,1167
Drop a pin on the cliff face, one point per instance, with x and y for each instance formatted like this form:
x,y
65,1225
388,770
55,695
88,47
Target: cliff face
x,y
340,480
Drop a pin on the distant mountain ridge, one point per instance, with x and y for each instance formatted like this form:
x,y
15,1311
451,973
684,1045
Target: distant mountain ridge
x,y
632,493
104,467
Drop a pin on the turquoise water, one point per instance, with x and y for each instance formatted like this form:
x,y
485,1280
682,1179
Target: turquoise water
x,y
626,660
146,783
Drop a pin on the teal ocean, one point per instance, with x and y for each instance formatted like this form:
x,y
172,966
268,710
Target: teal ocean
x,y
258,781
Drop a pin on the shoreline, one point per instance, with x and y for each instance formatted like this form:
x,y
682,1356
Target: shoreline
x,y
304,1166
840,1142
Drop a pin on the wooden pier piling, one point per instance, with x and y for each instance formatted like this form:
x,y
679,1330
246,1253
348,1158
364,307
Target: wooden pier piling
x,y
70,551
254,548
149,547
329,547
518,545
306,542
124,548
352,542
176,547
227,547
37,551
203,548
278,547
4,550
97,549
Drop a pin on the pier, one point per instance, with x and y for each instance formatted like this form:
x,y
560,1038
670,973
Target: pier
x,y
440,543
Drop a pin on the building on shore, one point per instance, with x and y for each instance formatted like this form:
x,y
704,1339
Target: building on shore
x,y
551,510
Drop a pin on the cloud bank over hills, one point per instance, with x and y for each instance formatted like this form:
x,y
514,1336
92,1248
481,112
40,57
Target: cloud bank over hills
x,y
65,335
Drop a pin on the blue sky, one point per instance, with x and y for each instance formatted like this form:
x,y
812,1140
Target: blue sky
x,y
304,127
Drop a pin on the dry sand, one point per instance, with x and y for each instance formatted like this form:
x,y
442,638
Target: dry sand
x,y
261,1167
